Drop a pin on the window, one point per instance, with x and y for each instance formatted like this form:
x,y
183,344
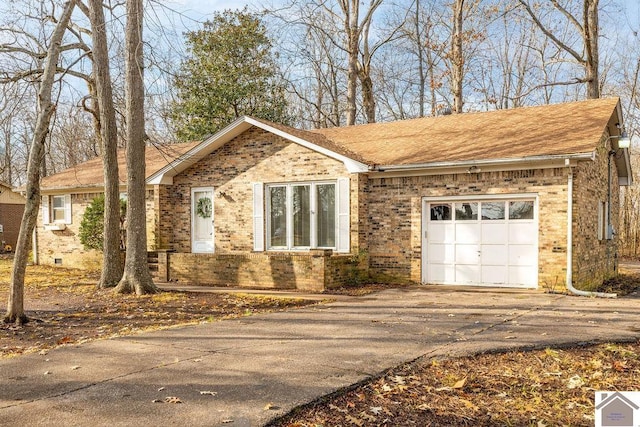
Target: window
x,y
56,209
301,215
521,209
492,210
466,211
441,212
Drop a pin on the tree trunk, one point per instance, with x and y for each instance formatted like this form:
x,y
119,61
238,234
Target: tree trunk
x,y
457,58
591,48
111,262
15,305
136,277
351,10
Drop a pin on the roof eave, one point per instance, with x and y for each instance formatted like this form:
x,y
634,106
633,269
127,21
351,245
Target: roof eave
x,y
519,162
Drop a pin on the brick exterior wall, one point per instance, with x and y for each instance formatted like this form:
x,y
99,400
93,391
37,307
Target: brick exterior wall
x,y
315,270
10,218
65,245
594,259
385,218
254,156
395,217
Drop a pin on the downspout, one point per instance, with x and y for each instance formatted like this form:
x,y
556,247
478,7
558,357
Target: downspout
x,y
570,287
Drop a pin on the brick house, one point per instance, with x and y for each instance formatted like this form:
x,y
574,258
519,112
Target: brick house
x,y
11,210
520,198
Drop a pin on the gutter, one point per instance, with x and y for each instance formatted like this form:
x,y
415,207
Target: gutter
x,y
570,287
490,162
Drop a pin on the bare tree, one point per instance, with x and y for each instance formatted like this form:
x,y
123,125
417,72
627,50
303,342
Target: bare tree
x,y
136,277
112,266
585,24
15,305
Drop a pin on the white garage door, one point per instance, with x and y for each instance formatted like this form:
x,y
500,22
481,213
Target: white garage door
x,y
491,242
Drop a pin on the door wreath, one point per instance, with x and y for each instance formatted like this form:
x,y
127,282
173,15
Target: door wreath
x,y
203,207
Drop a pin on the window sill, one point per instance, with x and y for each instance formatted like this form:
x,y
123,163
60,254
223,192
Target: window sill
x,y
56,226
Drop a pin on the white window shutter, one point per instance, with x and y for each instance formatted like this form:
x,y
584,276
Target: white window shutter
x,y
343,244
67,208
258,217
45,210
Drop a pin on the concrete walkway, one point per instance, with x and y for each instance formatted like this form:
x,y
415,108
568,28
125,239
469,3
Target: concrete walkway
x,y
247,371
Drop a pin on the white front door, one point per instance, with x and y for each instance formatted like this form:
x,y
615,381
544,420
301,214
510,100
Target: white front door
x,y
202,220
483,241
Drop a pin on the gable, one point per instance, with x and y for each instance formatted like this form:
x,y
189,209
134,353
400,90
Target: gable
x,y
317,143
258,155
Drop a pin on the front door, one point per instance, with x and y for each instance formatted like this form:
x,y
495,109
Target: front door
x,y
202,220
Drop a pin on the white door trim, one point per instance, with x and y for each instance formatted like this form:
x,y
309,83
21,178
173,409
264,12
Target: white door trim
x,y
194,247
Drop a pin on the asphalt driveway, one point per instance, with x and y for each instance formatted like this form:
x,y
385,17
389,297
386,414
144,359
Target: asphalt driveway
x,y
247,371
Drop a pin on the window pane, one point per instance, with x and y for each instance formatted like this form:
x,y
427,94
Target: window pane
x,y
57,213
278,216
326,200
301,215
492,210
441,212
58,202
466,211
521,210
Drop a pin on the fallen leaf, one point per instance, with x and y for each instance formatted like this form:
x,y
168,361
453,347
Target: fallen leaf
x,y
460,383
335,408
354,420
469,404
376,409
575,382
368,417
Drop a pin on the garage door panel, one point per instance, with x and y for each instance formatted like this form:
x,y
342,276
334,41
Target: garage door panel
x,y
495,275
467,274
467,232
522,232
467,254
441,253
442,273
522,255
493,232
441,232
494,254
523,276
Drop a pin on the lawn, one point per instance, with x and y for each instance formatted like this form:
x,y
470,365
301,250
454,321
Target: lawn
x,y
547,387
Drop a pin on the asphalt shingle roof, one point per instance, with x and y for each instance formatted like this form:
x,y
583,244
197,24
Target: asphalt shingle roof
x,y
89,174
555,129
